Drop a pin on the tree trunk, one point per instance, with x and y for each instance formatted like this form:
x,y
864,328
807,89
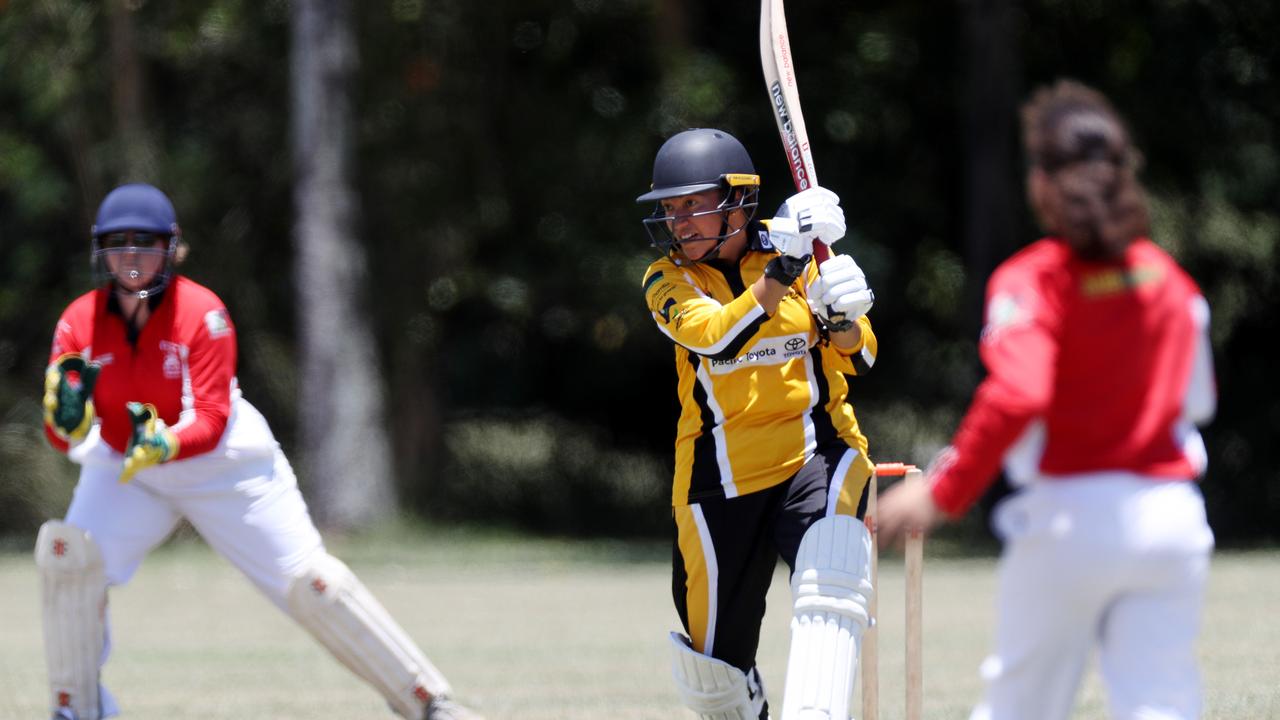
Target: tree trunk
x,y
137,152
671,29
344,443
991,191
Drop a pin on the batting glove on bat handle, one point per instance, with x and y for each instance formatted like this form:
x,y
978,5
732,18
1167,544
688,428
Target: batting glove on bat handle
x,y
151,443
840,295
68,396
811,215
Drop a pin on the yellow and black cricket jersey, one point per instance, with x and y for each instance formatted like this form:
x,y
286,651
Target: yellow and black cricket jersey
x,y
758,394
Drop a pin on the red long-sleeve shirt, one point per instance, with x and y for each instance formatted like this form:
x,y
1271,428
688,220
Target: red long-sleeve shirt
x,y
183,362
1111,358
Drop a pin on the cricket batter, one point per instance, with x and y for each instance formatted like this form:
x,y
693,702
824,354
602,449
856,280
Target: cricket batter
x,y
141,392
769,457
1099,363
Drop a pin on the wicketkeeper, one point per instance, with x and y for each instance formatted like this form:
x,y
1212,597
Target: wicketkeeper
x,y
141,392
769,458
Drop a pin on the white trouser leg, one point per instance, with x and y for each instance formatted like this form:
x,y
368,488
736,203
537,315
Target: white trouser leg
x,y
1148,639
253,515
1045,624
1095,561
1148,655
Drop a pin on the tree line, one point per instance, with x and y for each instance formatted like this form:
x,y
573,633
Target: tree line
x,y
420,216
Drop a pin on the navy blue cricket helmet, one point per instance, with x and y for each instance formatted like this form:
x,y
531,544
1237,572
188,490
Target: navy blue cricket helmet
x,y
137,206
131,221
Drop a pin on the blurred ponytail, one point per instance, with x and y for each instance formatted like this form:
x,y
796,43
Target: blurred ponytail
x,y
1091,195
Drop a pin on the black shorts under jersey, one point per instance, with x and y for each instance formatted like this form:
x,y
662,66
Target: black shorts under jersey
x,y
726,549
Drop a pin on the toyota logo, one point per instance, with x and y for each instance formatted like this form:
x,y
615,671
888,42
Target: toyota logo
x,y
795,343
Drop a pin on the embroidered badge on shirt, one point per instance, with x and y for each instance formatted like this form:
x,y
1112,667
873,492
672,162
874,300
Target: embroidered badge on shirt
x,y
173,354
216,321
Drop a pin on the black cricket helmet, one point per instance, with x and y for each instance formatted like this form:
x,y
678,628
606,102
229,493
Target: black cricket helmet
x,y
694,161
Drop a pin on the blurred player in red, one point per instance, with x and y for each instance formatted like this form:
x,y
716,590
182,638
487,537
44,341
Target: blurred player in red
x,y
141,392
1099,370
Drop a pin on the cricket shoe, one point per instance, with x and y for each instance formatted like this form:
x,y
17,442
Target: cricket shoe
x,y
444,708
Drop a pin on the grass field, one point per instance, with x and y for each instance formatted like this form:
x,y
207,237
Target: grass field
x,y
546,630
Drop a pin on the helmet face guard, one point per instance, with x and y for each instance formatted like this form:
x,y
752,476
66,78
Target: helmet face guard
x,y
742,192
130,260
696,161
131,222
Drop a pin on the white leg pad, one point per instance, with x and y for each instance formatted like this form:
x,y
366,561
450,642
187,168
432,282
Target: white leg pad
x,y
73,591
831,587
712,688
329,601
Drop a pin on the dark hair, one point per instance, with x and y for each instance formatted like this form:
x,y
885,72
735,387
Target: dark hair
x,y
1093,199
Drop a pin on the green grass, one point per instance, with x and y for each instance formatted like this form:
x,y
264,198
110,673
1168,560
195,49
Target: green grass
x,y
546,630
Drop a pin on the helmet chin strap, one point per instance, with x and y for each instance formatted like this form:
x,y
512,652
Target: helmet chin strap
x,y
135,318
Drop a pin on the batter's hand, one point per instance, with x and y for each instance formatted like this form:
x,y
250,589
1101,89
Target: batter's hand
x,y
905,506
841,289
809,215
151,443
68,396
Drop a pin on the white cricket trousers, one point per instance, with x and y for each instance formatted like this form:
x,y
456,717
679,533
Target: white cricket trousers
x,y
1112,561
242,498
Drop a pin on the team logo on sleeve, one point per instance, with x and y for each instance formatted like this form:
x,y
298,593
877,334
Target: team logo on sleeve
x,y
1006,310
217,323
666,310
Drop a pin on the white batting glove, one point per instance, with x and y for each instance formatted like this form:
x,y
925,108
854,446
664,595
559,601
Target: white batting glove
x,y
841,289
809,215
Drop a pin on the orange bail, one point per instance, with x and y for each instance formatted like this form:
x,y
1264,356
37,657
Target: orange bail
x,y
893,469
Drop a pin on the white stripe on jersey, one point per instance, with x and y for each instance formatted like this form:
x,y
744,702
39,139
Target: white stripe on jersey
x,y
810,432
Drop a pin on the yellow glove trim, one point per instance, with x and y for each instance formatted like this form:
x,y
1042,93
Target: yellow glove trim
x,y
154,444
52,382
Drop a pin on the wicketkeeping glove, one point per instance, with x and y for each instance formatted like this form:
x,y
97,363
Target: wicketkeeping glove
x,y
151,443
809,215
841,289
68,396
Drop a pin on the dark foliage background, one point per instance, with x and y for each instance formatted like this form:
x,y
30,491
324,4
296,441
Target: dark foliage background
x,y
499,149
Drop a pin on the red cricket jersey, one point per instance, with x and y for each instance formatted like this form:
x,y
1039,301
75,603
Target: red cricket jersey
x,y
1101,353
183,362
